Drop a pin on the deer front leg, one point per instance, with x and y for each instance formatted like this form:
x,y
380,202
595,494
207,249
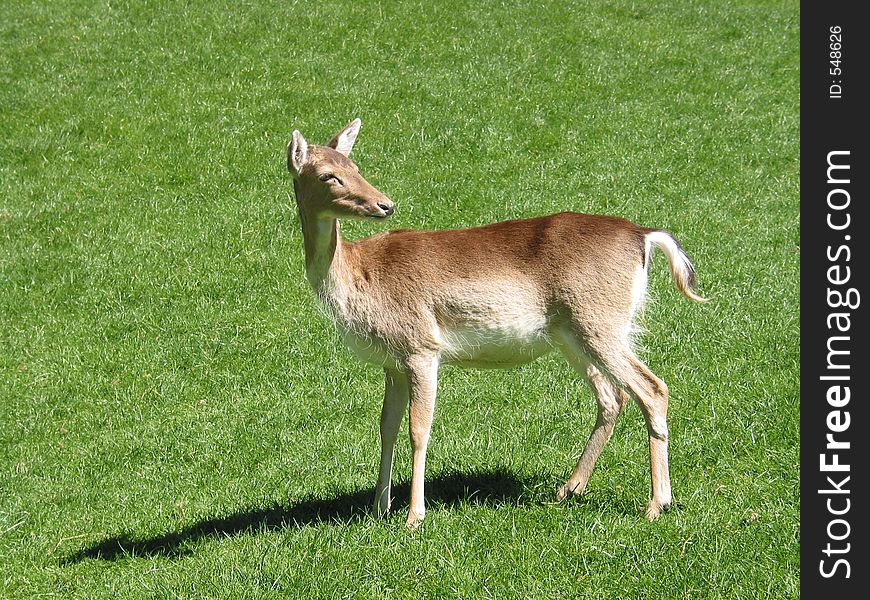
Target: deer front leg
x,y
422,375
395,401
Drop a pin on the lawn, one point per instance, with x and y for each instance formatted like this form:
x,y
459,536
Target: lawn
x,y
179,420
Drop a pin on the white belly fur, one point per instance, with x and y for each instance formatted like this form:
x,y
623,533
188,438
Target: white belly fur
x,y
486,325
493,348
496,325
466,346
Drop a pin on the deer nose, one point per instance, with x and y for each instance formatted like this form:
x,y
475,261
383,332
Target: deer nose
x,y
387,206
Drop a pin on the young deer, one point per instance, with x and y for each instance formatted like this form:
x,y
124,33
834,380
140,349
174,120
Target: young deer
x,y
492,296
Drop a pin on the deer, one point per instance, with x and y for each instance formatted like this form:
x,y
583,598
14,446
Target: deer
x,y
493,296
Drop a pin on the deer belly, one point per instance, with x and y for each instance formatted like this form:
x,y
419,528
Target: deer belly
x,y
509,343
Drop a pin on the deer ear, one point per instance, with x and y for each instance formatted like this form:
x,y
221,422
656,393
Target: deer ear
x,y
297,153
345,139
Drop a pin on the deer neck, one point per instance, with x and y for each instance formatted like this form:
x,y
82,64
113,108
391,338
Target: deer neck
x,y
327,267
323,248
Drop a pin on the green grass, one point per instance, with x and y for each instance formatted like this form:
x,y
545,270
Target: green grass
x,y
177,418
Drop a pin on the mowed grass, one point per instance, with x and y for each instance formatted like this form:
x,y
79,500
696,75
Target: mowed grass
x,y
177,418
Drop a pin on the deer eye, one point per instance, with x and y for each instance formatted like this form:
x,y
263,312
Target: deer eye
x,y
329,177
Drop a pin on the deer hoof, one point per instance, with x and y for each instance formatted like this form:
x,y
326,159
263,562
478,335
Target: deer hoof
x,y
568,490
414,520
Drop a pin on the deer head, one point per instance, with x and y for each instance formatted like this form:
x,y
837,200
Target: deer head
x,y
328,184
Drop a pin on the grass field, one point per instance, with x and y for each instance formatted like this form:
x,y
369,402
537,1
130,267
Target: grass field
x,y
178,419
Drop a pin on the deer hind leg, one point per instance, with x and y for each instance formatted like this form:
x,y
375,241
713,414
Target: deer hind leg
x,y
651,394
611,400
395,401
617,365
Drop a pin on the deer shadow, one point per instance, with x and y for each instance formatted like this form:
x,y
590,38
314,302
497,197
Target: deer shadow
x,y
476,488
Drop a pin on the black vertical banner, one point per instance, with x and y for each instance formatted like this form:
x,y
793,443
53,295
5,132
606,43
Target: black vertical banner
x,y
835,348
